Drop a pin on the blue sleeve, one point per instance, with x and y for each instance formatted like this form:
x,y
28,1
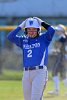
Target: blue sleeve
x,y
49,35
12,36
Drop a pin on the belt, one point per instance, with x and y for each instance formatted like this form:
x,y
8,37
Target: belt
x,y
33,68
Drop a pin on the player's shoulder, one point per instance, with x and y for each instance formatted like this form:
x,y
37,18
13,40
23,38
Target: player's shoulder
x,y
21,36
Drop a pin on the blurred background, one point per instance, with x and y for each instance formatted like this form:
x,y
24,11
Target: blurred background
x,y
12,13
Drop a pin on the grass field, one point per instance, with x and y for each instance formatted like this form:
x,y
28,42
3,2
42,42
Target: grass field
x,y
11,87
12,90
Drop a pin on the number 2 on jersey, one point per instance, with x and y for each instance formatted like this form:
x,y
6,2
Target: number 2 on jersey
x,y
29,53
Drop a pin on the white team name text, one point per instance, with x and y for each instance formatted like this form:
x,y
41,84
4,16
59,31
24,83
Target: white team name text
x,y
27,46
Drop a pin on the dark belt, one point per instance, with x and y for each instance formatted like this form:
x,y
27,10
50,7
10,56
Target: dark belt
x,y
33,68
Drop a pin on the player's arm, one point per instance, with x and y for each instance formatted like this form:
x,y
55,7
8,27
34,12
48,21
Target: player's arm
x,y
50,31
13,37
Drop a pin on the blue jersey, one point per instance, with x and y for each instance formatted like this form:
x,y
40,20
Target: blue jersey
x,y
35,50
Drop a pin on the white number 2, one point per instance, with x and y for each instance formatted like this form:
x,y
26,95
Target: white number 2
x,y
29,53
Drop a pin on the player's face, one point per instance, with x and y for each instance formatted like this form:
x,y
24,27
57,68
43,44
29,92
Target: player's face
x,y
59,32
32,32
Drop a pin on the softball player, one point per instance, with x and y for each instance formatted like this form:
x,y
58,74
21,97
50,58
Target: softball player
x,y
35,55
59,65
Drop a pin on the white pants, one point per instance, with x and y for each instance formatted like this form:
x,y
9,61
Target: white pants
x,y
34,82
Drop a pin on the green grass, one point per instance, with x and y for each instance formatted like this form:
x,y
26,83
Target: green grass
x,y
12,90
11,87
49,87
11,75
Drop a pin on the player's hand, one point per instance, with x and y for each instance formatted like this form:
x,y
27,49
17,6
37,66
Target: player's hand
x,y
39,20
22,25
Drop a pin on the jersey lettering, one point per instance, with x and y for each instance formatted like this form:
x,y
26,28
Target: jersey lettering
x,y
29,53
36,45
